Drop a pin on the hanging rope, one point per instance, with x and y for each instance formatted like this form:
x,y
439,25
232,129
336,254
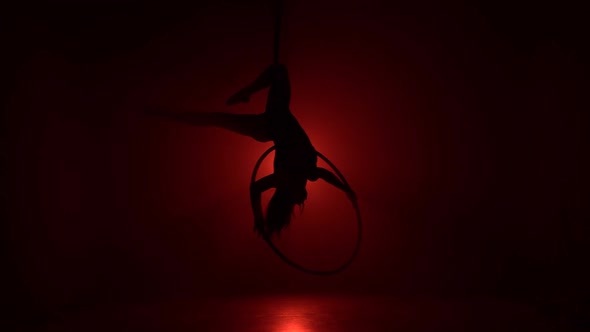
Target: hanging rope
x,y
354,204
278,16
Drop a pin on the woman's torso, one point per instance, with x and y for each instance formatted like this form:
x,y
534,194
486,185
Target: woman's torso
x,y
294,150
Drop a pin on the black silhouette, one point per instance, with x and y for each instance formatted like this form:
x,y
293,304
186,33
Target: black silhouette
x,y
295,160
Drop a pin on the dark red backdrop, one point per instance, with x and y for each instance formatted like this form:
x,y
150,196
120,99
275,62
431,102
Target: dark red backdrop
x,y
460,127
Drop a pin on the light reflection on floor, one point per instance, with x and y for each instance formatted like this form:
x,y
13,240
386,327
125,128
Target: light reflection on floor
x,y
307,314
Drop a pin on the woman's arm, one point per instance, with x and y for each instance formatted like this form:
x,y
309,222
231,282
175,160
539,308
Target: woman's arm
x,y
332,179
256,190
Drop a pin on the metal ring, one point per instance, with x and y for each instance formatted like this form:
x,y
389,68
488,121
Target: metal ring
x,y
354,204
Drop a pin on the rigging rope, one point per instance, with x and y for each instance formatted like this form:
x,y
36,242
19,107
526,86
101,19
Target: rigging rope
x,y
277,36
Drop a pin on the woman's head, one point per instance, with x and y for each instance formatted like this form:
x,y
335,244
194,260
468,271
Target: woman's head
x,y
291,187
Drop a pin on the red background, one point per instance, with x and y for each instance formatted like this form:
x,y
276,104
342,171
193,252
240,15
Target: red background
x,y
461,128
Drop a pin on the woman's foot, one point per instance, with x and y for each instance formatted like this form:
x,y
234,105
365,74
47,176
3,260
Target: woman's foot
x,y
240,97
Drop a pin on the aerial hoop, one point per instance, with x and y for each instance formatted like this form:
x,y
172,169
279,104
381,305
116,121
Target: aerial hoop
x,y
354,204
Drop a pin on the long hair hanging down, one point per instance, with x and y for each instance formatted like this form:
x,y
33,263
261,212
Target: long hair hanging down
x,y
279,212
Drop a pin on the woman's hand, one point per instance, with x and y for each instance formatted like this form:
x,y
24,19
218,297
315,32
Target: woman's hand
x,y
351,195
259,226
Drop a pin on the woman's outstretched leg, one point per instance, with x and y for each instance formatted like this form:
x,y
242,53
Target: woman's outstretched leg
x,y
252,125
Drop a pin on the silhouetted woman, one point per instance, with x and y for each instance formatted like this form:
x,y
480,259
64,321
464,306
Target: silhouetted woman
x,y
295,159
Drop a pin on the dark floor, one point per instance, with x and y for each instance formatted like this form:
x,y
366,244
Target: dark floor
x,y
311,313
